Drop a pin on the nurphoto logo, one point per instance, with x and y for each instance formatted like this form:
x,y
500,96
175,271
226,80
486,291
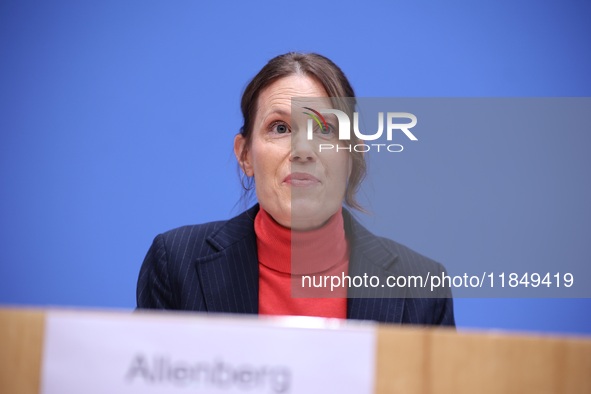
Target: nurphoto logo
x,y
318,123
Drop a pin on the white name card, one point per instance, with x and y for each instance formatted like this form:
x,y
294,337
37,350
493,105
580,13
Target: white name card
x,y
175,353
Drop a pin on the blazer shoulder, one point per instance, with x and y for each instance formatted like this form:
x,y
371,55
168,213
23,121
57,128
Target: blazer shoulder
x,y
169,277
210,237
411,258
387,251
192,231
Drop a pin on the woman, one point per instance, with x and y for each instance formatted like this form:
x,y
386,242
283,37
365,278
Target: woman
x,y
298,229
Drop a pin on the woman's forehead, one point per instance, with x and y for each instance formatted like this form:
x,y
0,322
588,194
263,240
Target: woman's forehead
x,y
290,94
281,91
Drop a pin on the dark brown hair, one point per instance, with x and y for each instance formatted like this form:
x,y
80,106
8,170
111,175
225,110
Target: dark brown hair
x,y
334,81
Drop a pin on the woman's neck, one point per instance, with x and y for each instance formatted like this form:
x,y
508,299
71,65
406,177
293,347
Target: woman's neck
x,y
300,252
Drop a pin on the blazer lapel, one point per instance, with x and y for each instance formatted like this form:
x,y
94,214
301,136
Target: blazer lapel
x,y
370,257
229,276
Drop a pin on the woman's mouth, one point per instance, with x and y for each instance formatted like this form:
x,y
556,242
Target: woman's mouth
x,y
301,179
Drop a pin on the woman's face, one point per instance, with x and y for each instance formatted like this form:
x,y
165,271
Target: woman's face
x,y
300,187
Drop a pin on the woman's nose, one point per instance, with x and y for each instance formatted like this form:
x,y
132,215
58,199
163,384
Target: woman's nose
x,y
302,149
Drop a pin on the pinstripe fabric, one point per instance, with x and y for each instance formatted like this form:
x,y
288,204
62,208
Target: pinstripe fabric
x,y
213,267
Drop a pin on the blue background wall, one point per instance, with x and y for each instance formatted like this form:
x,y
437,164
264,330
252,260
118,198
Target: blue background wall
x,y
117,120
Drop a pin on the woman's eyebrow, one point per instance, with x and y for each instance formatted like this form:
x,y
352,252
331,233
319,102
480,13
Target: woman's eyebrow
x,y
277,111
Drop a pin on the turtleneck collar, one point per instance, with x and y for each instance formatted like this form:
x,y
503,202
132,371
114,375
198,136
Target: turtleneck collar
x,y
300,252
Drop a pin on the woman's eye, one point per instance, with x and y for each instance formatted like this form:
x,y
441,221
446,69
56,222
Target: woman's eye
x,y
328,129
280,128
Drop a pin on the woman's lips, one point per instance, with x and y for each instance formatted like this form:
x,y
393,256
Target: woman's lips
x,y
301,179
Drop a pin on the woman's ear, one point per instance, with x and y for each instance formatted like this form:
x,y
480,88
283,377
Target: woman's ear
x,y
242,154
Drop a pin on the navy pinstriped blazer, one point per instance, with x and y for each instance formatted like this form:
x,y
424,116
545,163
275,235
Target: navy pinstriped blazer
x,y
213,267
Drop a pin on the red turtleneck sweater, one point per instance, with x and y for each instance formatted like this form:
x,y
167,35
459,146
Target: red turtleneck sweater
x,y
283,252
